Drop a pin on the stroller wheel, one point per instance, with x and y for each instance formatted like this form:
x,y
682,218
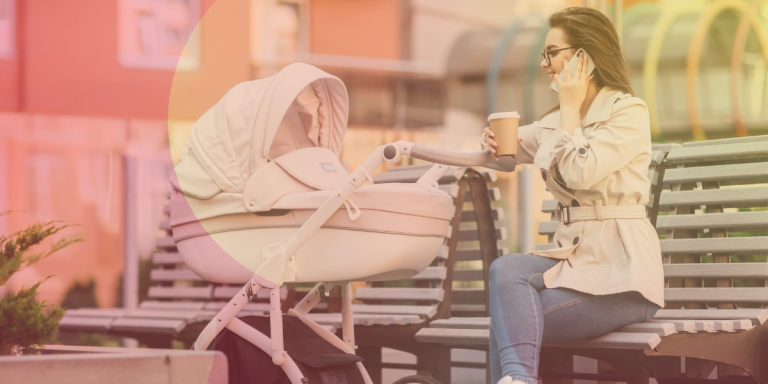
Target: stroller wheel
x,y
417,379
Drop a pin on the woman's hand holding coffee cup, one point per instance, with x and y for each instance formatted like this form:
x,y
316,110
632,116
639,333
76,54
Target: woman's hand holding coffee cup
x,y
502,133
492,145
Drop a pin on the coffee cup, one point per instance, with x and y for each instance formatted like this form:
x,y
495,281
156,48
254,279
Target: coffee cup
x,y
504,126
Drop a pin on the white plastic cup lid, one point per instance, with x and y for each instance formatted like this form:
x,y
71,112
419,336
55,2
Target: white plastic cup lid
x,y
503,115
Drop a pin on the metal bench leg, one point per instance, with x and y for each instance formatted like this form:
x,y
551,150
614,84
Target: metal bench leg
x,y
372,361
438,360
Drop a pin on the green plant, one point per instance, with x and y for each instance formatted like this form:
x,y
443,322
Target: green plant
x,y
23,321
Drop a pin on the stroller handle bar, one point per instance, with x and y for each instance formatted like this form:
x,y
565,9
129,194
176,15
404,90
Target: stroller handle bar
x,y
392,152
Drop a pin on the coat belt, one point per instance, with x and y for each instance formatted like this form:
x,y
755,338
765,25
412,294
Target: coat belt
x,y
568,214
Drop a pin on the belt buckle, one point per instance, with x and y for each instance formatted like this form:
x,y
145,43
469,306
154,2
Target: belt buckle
x,y
564,208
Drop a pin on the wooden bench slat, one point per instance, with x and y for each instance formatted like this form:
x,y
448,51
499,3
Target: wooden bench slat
x,y
756,315
71,323
202,293
730,174
753,221
732,245
728,197
162,326
469,214
464,309
548,227
471,254
732,140
659,328
167,258
693,325
653,176
468,274
334,319
165,243
717,270
665,147
423,311
473,337
97,312
716,295
409,294
548,206
617,340
468,295
172,305
657,157
473,235
698,154
449,336
462,323
431,273
173,275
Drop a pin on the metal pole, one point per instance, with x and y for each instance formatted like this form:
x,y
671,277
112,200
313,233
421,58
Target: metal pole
x,y
130,251
525,208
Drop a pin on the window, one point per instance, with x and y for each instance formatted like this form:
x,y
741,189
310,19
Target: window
x,y
381,100
279,31
7,29
159,34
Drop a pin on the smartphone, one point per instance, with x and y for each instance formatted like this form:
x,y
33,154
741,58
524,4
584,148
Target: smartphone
x,y
573,64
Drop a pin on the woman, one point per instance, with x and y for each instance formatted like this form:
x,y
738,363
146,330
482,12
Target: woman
x,y
593,151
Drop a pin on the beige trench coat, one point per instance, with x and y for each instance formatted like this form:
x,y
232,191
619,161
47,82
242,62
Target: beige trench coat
x,y
607,158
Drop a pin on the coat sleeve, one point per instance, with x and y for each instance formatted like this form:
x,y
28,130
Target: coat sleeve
x,y
526,150
585,161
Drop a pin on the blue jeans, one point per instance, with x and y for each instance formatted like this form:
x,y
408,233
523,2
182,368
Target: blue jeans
x,y
525,314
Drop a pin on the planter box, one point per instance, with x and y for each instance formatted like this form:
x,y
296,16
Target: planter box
x,y
84,365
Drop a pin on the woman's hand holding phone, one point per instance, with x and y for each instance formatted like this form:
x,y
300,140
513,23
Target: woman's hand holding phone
x,y
573,87
573,91
489,140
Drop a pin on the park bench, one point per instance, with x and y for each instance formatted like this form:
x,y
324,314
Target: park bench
x,y
180,302
716,224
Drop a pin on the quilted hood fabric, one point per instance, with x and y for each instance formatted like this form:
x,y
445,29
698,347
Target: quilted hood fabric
x,y
256,121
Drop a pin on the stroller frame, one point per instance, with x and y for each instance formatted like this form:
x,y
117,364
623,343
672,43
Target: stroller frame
x,y
269,275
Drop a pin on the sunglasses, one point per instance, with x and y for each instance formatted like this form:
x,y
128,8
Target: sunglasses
x,y
547,55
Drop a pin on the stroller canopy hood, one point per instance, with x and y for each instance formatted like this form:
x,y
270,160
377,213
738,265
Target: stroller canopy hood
x,y
256,121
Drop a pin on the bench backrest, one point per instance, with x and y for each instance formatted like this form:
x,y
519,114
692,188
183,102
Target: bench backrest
x,y
174,286
714,224
433,289
655,176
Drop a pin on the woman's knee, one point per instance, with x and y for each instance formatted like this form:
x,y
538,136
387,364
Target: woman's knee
x,y
516,264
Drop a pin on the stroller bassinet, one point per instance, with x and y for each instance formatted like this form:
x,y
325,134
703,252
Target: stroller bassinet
x,y
263,160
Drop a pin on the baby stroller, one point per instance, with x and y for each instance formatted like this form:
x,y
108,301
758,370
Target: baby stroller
x,y
260,198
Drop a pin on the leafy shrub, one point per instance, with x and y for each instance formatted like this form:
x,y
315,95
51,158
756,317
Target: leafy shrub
x,y
23,321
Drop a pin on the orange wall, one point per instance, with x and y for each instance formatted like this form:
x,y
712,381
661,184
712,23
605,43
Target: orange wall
x,y
68,63
368,28
225,61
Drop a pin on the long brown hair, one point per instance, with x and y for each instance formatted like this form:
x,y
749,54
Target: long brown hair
x,y
591,30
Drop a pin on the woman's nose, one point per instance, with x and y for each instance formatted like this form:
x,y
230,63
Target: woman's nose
x,y
543,64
